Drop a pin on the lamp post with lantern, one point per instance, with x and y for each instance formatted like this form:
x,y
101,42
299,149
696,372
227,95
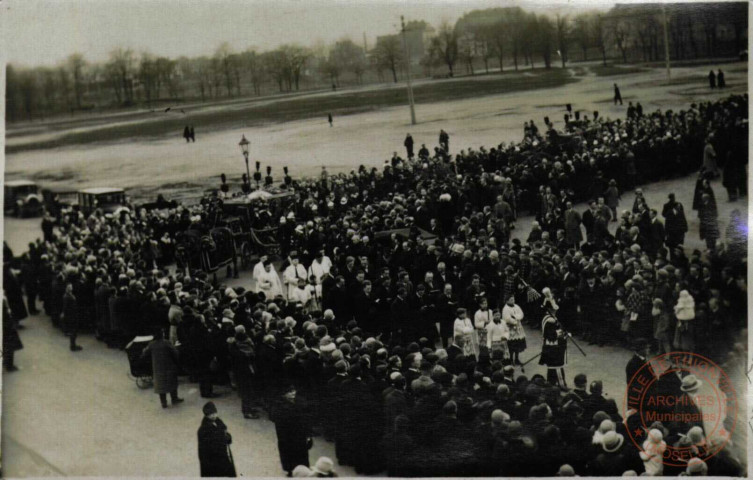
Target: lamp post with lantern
x,y
244,143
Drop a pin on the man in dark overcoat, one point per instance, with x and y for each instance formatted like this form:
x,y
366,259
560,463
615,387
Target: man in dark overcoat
x,y
293,431
675,223
164,368
408,143
215,457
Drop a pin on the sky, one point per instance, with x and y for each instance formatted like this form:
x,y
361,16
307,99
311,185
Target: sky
x,y
45,32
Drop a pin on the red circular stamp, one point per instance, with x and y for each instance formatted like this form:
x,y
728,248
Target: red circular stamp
x,y
689,395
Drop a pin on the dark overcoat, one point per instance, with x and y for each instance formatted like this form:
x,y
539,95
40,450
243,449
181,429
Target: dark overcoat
x,y
164,365
293,432
215,457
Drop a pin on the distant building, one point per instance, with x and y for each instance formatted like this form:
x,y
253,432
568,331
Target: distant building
x,y
418,35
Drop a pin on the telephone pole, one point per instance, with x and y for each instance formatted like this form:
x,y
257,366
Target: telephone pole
x,y
407,71
666,41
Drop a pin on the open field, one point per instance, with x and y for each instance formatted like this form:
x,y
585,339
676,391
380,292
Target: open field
x,y
255,112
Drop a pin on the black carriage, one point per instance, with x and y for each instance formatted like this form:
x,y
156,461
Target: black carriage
x,y
250,218
206,251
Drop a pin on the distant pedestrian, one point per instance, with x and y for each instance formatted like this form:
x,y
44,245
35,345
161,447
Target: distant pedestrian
x,y
329,118
187,134
409,145
639,109
215,457
164,368
444,141
192,134
617,95
720,79
712,79
334,87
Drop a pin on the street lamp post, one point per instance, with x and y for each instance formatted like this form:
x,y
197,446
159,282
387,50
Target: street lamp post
x,y
244,148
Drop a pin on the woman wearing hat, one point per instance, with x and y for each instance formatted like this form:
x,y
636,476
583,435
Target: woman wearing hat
x,y
215,457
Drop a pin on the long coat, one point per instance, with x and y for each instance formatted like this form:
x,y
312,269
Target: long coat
x,y
164,365
293,432
707,214
11,340
215,457
70,313
573,233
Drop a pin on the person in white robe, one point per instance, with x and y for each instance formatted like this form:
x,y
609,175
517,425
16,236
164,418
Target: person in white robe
x,y
291,275
269,282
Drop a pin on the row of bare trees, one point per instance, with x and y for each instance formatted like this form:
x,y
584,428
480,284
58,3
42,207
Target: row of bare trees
x,y
499,38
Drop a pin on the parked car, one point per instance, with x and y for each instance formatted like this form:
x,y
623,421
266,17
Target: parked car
x,y
22,198
108,199
57,198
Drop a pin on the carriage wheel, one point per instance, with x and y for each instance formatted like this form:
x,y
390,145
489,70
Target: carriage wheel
x,y
246,261
143,382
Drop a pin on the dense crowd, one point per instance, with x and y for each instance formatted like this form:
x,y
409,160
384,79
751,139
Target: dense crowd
x,y
397,314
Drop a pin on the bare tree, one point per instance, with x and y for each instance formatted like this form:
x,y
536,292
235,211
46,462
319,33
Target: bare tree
x,y
582,33
563,37
122,63
147,76
621,33
389,53
76,64
346,55
223,58
599,36
446,44
546,34
253,66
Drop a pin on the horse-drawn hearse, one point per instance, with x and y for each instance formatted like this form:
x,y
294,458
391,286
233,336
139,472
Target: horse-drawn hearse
x,y
238,228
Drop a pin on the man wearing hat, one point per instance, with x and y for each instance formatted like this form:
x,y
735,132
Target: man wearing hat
x,y
675,223
215,457
641,351
686,407
614,459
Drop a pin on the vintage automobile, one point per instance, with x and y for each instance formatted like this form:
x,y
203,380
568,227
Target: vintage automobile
x,y
22,198
108,199
57,198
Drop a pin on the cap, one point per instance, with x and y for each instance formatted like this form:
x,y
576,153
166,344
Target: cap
x,y
209,408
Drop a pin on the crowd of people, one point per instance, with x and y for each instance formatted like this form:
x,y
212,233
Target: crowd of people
x,y
395,322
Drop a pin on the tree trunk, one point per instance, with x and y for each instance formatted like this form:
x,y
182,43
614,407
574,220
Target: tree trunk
x,y
394,74
604,56
585,54
501,66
